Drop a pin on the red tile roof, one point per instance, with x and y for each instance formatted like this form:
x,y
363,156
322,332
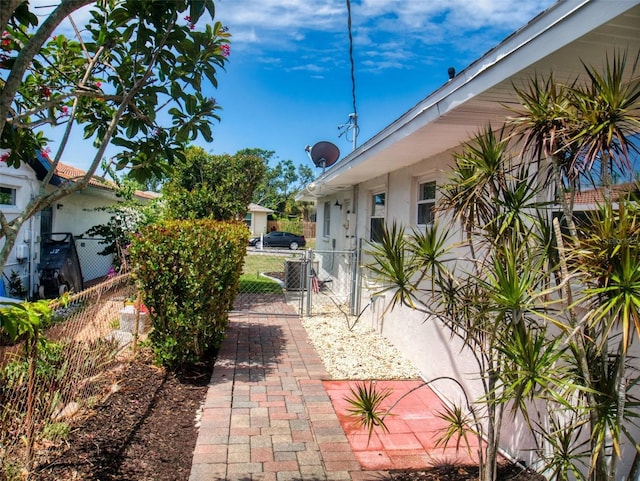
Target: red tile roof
x,y
68,172
597,195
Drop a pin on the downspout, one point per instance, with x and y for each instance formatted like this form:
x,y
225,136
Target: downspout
x,y
356,298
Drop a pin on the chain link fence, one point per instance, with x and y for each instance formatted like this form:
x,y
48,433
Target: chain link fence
x,y
332,282
275,281
272,282
94,266
51,379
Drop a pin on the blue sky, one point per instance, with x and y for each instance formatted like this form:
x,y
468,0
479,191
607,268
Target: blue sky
x,y
288,80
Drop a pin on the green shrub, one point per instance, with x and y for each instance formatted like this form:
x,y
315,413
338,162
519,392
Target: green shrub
x,y
188,273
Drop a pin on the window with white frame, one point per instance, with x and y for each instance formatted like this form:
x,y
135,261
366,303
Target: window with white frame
x,y
8,195
378,212
326,220
426,202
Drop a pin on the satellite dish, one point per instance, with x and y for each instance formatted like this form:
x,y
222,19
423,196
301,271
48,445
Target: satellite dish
x,y
324,154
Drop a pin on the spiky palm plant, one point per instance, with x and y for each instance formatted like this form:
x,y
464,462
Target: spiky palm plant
x,y
501,306
609,263
543,123
366,406
608,107
393,266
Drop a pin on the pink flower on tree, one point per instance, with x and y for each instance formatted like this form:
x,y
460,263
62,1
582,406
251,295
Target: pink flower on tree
x,y
192,25
225,49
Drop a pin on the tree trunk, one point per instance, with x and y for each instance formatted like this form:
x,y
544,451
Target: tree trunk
x,y
562,199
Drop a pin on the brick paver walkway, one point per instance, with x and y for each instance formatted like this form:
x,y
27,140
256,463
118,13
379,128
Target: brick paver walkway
x,y
267,415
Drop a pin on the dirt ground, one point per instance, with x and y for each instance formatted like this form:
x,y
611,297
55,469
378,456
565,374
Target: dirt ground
x,y
146,431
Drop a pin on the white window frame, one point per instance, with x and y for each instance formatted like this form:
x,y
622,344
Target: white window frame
x,y
13,192
377,213
428,201
326,219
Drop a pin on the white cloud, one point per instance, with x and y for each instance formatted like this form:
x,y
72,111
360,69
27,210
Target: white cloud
x,y
310,67
43,8
395,29
396,32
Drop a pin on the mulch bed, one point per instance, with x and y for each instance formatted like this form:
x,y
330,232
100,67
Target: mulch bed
x,y
145,431
465,473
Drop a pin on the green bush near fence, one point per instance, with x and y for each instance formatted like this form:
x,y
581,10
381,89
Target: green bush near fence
x,y
295,226
188,272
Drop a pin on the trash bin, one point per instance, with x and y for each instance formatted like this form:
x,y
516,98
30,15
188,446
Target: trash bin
x,y
295,274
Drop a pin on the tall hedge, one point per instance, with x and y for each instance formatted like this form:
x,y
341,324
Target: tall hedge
x,y
188,273
212,186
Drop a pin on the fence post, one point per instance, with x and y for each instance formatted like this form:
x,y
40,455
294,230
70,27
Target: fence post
x,y
32,342
136,319
308,269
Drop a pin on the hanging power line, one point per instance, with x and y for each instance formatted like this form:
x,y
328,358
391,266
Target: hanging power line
x,y
352,123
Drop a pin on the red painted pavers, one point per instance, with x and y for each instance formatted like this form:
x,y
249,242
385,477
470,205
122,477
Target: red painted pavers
x,y
413,427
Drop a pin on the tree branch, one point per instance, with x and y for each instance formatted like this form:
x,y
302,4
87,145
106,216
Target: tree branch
x,y
30,50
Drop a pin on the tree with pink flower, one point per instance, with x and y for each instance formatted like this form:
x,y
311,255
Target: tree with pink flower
x,y
131,77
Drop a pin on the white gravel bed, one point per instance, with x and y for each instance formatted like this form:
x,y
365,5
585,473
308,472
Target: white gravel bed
x,y
355,354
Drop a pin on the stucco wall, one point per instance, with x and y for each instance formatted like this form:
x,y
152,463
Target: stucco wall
x,y
77,213
423,339
26,185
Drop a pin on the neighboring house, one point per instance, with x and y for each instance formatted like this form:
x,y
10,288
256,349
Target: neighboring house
x,y
256,219
591,199
588,202
74,214
394,175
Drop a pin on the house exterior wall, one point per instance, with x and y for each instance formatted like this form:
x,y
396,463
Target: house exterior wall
x,y
76,214
25,254
421,338
258,223
557,41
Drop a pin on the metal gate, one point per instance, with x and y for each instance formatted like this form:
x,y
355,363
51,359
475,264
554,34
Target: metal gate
x,y
272,282
331,283
278,281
